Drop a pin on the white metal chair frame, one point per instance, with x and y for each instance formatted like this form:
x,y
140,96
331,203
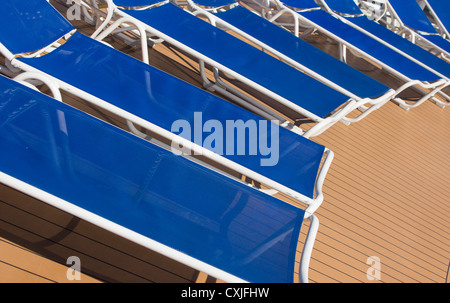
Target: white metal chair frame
x,y
278,9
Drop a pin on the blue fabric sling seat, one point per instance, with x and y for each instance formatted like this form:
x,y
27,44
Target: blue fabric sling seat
x,y
161,99
122,183
441,67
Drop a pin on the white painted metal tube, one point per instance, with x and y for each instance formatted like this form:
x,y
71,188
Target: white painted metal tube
x,y
26,76
307,249
310,210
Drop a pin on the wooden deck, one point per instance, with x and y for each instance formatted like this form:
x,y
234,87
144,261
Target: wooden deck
x,y
386,196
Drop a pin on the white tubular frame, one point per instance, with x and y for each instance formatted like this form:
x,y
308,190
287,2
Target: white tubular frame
x,y
307,249
435,87
321,123
81,213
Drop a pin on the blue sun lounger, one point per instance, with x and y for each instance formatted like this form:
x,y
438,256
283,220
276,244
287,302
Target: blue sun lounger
x,y
440,12
289,90
412,23
144,193
347,31
296,52
383,35
179,113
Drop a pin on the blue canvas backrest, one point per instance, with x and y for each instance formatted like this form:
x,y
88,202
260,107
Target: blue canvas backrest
x,y
28,26
146,189
344,6
302,4
412,15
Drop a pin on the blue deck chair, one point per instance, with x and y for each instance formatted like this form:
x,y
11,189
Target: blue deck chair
x,y
347,32
289,88
144,193
296,52
408,19
158,102
385,36
440,13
